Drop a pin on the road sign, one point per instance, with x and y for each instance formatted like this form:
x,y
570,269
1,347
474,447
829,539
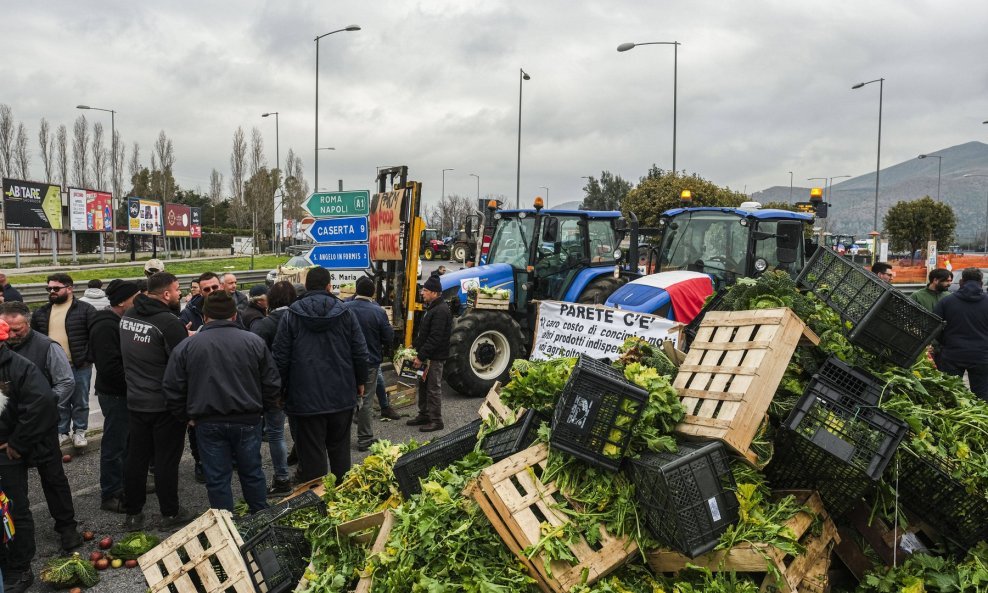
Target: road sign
x,y
338,203
340,257
339,230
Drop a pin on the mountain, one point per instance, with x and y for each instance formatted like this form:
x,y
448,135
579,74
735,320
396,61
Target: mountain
x,y
852,201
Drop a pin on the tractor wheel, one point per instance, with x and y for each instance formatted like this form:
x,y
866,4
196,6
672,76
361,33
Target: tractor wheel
x,y
482,347
597,291
428,254
459,252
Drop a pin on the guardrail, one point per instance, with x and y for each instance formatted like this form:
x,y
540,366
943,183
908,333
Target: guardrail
x,y
35,294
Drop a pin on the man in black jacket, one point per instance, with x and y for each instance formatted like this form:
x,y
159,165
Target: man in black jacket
x,y
379,334
226,414
27,416
9,292
964,340
149,333
431,345
65,319
192,314
322,358
111,390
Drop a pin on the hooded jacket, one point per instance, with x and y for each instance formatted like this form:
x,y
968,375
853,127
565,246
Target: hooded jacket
x,y
267,327
149,332
28,414
76,328
104,330
97,298
375,326
251,314
964,340
321,355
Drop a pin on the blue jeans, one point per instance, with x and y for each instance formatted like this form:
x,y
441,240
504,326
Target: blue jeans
x,y
113,448
221,443
274,430
73,411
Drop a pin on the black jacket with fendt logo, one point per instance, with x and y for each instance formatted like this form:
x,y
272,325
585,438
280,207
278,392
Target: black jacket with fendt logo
x,y
432,339
149,332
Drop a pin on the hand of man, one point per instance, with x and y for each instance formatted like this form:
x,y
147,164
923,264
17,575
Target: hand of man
x,y
360,390
11,452
417,363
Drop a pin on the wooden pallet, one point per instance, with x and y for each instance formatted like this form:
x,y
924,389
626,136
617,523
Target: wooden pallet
x,y
891,546
400,395
755,558
817,579
732,371
202,557
517,503
494,406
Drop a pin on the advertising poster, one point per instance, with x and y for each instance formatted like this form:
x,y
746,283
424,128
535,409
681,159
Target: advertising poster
x,y
144,216
385,226
569,329
195,229
90,210
30,205
178,218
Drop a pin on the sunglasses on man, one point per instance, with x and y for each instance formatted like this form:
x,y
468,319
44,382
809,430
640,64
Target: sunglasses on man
x,y
54,288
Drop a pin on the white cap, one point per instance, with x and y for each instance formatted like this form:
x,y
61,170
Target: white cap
x,y
153,265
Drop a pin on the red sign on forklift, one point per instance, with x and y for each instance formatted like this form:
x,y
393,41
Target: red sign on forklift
x,y
385,226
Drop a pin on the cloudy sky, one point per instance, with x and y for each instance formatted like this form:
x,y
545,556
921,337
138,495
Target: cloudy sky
x,y
764,86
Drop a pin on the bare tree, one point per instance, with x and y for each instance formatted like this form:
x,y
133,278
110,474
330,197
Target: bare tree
x,y
62,155
100,158
449,214
21,154
238,156
6,140
117,155
46,142
215,187
134,168
166,158
80,152
257,160
296,187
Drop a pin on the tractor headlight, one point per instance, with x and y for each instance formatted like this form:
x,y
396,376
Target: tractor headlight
x,y
761,265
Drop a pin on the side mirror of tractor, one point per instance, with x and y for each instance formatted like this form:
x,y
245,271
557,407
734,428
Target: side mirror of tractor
x,y
550,229
788,236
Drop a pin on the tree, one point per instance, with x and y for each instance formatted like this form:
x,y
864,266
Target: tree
x,y
607,194
46,142
62,154
22,158
215,191
6,140
296,188
165,154
117,151
656,194
238,161
134,167
910,224
80,152
259,197
100,158
450,213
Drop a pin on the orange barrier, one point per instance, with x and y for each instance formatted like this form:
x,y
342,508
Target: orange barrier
x,y
914,272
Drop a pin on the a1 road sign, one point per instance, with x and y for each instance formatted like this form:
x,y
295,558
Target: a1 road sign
x,y
340,257
338,203
351,229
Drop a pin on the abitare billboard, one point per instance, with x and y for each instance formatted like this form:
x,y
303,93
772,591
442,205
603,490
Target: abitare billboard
x,y
31,205
90,210
178,218
143,216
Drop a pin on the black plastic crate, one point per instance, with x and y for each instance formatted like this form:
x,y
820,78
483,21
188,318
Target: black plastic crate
x,y
505,442
596,413
251,525
847,287
440,452
851,380
687,498
689,332
276,558
927,488
852,432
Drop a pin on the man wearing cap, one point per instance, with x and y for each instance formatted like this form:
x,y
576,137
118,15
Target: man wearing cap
x,y
153,266
111,390
431,344
378,334
257,306
66,320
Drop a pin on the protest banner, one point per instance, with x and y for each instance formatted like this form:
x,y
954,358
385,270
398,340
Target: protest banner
x,y
385,226
569,329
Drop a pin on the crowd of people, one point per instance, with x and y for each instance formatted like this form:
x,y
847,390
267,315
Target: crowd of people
x,y
215,368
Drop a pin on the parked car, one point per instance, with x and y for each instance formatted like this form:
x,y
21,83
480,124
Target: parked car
x,y
299,261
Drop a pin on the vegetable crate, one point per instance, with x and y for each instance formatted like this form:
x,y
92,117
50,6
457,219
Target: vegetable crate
x,y
441,452
202,557
596,414
375,528
386,522
406,370
251,525
346,292
400,395
493,405
686,498
852,381
507,441
518,505
886,322
276,558
927,488
481,301
765,559
732,370
817,579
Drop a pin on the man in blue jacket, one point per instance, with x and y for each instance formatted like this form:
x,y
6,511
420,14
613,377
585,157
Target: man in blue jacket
x,y
379,334
322,356
964,341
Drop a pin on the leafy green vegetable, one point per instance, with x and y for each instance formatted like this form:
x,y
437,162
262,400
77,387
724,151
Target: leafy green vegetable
x,y
923,573
73,571
536,385
662,412
133,545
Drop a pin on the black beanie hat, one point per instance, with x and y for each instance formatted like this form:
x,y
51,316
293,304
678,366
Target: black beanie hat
x,y
219,305
433,284
118,291
365,287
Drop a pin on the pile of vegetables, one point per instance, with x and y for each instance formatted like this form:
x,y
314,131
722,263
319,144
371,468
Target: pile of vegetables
x,y
402,354
536,384
499,294
924,573
134,545
73,571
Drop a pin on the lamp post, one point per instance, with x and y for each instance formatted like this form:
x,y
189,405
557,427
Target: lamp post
x,y
939,163
478,187
316,144
522,77
323,148
675,83
790,188
878,158
546,205
113,168
986,209
830,184
277,156
443,196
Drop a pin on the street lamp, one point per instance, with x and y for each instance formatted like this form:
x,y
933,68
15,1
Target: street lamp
x,y
316,144
986,210
478,186
878,159
277,156
443,196
113,156
939,163
790,188
830,184
675,78
522,76
546,205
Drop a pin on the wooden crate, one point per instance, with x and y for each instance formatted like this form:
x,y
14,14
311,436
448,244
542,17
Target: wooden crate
x,y
732,371
380,542
401,395
202,557
817,579
494,406
755,558
891,546
315,484
361,531
346,292
484,302
293,275
514,499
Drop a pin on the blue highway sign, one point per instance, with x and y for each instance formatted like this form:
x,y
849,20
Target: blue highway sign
x,y
339,230
340,257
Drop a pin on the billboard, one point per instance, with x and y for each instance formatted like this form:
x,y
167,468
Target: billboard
x,y
30,205
178,218
90,210
195,229
144,216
